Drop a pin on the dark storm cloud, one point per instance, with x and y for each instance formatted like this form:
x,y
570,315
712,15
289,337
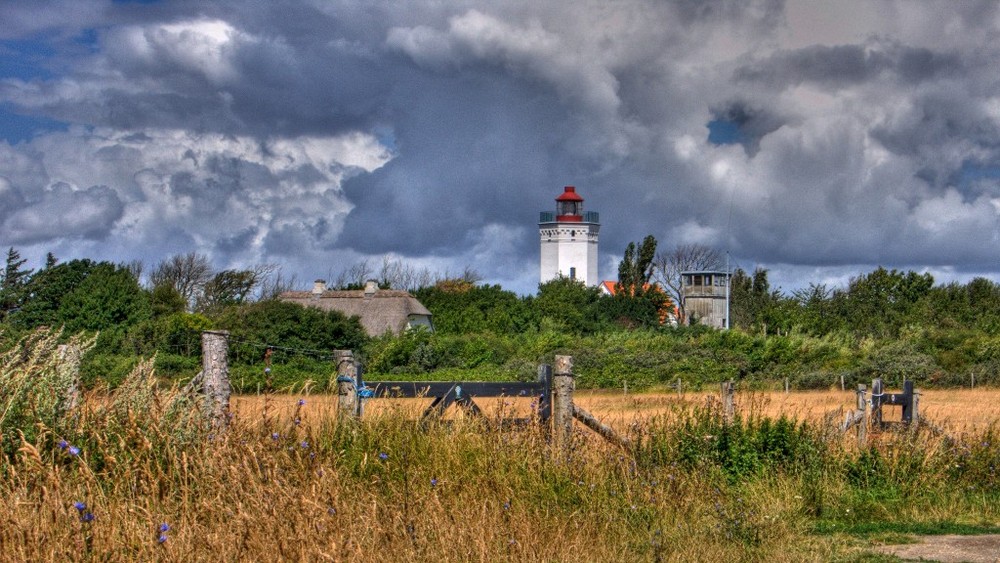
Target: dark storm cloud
x,y
312,133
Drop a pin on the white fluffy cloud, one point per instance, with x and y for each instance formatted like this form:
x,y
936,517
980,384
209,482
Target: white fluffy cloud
x,y
865,133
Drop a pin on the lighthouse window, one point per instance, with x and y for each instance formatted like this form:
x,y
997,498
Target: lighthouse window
x,y
572,233
572,273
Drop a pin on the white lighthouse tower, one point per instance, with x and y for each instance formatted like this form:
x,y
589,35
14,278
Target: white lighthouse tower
x,y
569,240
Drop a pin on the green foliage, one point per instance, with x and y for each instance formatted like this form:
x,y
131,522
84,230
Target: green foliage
x,y
46,291
108,297
464,308
13,283
288,325
35,388
568,305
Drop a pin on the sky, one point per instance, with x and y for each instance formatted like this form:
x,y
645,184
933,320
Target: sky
x,y
819,140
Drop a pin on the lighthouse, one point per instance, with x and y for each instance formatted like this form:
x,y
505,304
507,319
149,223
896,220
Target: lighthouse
x,y
569,240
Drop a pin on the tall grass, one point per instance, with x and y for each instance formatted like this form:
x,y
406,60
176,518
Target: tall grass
x,y
134,475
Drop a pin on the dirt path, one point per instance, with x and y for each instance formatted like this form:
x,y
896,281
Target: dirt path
x,y
949,549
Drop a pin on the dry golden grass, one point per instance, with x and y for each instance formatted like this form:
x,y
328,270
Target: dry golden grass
x,y
955,410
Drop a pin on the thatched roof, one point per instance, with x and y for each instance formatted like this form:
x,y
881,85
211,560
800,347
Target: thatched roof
x,y
380,311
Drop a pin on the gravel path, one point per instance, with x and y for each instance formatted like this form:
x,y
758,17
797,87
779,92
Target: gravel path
x,y
949,549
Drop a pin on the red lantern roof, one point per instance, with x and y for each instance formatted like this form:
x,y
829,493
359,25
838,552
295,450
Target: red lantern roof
x,y
569,194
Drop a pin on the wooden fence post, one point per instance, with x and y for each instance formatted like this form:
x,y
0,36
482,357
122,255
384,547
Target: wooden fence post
x,y
863,407
563,384
69,368
215,370
545,400
347,385
728,408
786,386
876,416
680,392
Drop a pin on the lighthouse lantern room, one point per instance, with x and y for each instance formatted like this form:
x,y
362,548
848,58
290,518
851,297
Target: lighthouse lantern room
x,y
569,240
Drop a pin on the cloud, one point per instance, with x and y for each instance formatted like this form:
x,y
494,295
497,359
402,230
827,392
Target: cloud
x,y
312,134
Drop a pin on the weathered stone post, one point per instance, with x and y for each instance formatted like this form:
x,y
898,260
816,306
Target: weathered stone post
x,y
545,400
863,408
876,416
728,408
69,372
347,385
215,370
563,384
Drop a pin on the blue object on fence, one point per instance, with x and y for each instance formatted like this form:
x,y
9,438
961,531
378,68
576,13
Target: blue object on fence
x,y
345,379
365,392
458,391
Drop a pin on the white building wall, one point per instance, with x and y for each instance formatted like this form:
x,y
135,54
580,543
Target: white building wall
x,y
569,245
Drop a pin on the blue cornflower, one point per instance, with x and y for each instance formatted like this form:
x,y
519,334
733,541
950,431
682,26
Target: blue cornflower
x,y
302,402
81,506
304,444
434,481
275,435
63,444
73,450
383,456
506,505
298,421
331,511
162,538
87,517
164,527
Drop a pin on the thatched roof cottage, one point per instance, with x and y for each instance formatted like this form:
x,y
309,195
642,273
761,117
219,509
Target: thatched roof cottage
x,y
380,310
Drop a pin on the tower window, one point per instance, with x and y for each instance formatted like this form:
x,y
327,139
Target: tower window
x,y
572,273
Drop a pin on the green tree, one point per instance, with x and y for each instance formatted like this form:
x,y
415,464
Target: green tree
x,y
461,307
288,325
108,297
568,305
13,284
636,302
229,287
46,291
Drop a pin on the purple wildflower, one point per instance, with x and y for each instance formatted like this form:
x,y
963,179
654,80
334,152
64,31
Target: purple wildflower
x,y
434,481
73,450
164,527
302,402
383,456
81,506
87,517
162,538
275,435
63,444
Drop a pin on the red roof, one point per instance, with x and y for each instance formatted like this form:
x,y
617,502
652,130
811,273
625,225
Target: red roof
x,y
569,194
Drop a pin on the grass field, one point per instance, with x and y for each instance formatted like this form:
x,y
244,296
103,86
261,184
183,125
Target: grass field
x,y
136,474
956,410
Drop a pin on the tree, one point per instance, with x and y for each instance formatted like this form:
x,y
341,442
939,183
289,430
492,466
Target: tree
x,y
636,268
461,307
568,304
14,283
109,297
187,273
636,302
46,291
231,287
669,265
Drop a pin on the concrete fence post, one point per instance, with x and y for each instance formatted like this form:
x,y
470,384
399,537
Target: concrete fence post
x,y
215,385
563,384
347,385
728,406
69,370
863,407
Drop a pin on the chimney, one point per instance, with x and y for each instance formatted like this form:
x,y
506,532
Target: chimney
x,y
319,286
371,286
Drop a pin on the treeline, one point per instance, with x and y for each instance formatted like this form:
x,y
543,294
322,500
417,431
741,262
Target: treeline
x,y
883,323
